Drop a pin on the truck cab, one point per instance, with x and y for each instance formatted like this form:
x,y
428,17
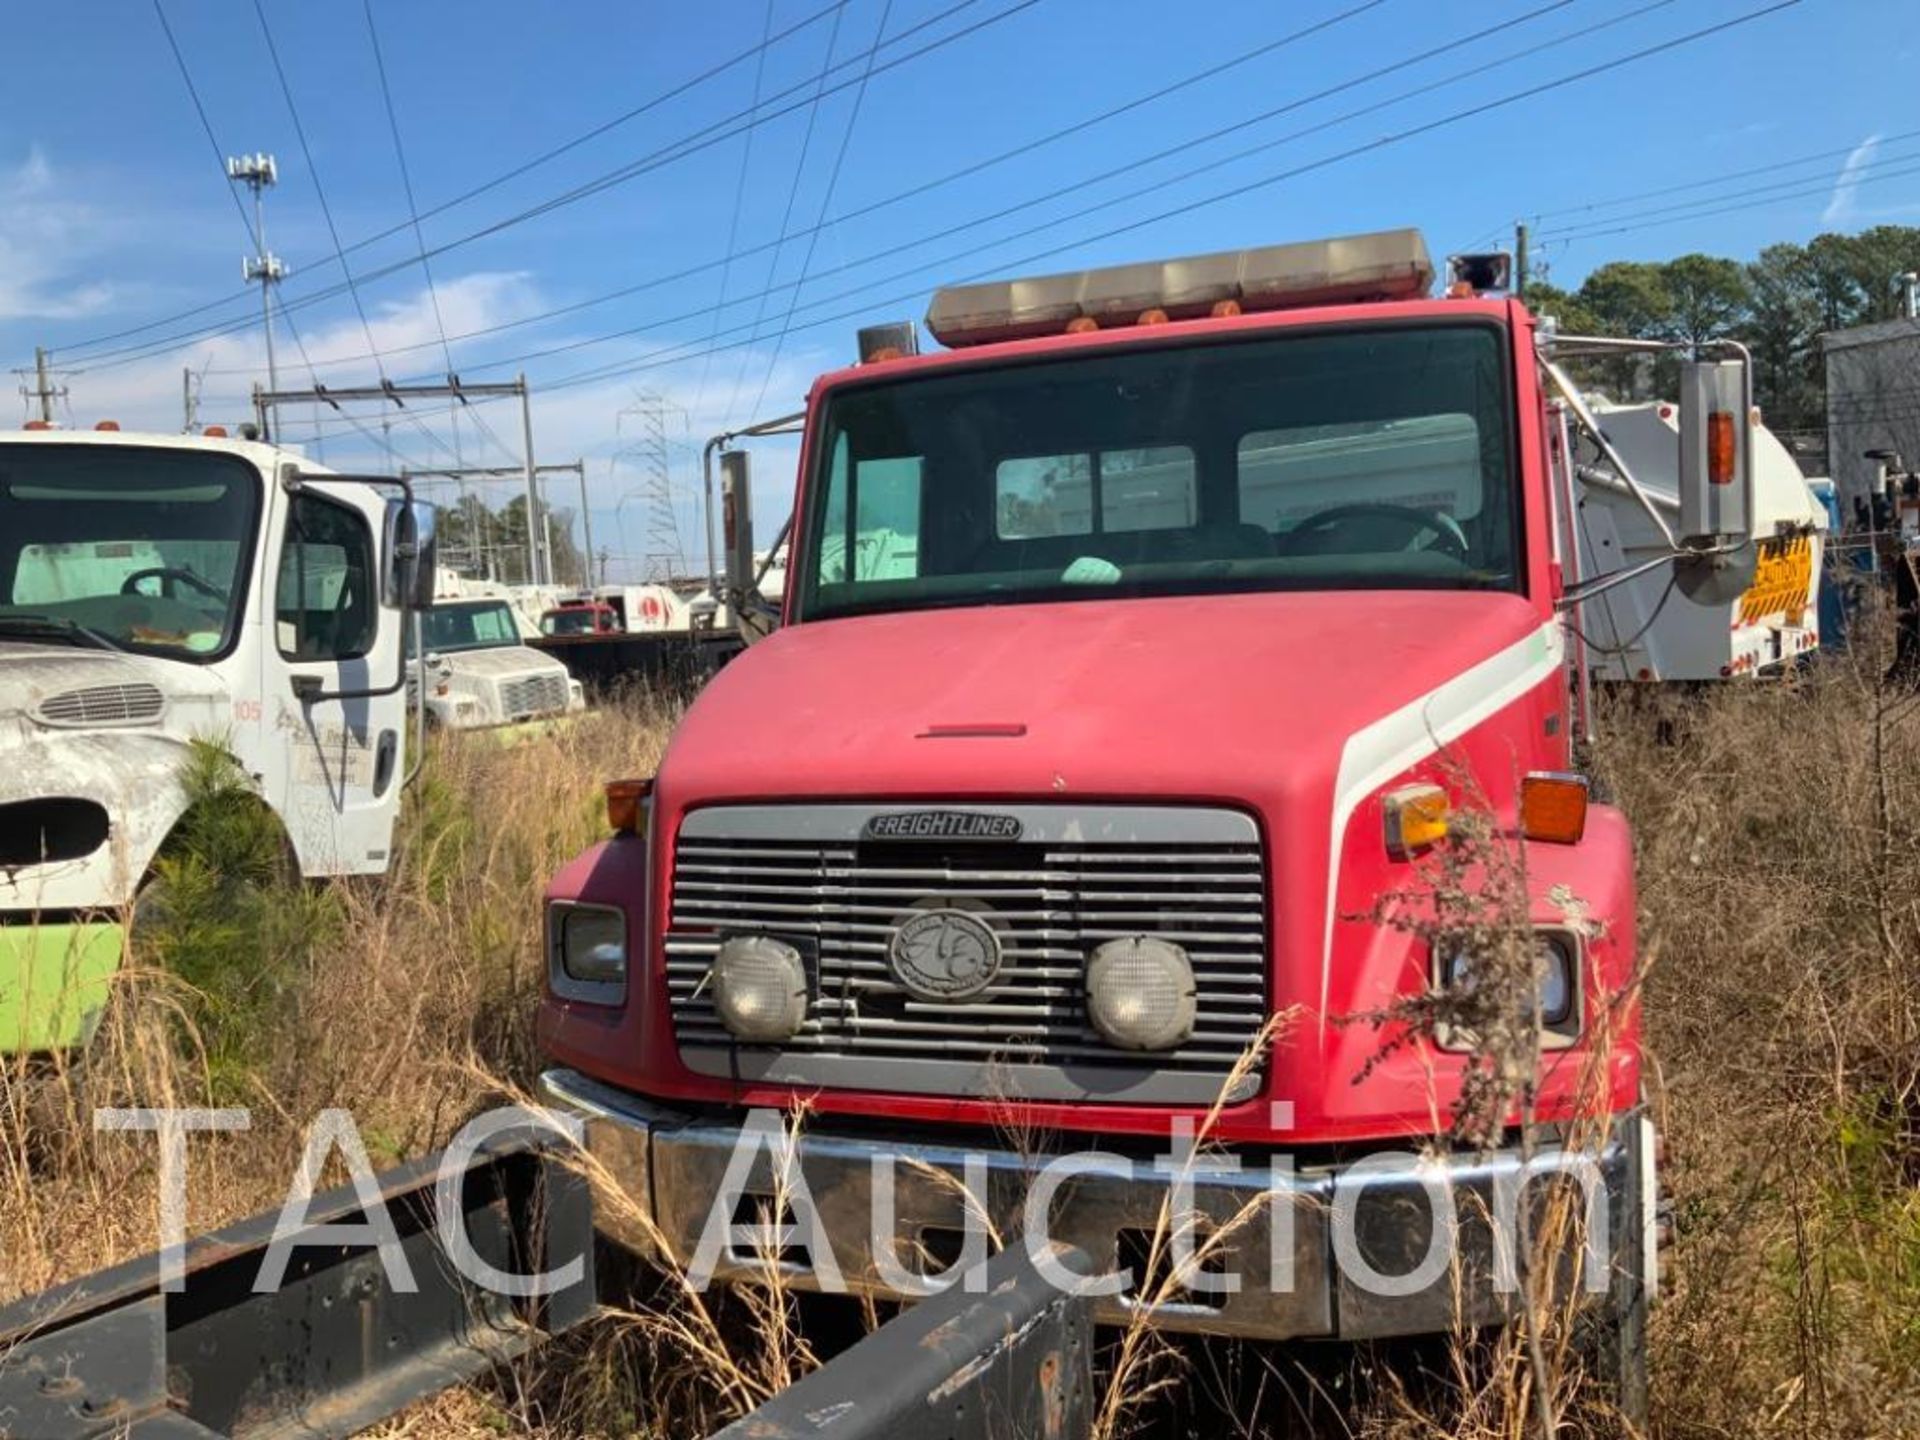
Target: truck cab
x,y
1138,652
581,617
479,673
162,590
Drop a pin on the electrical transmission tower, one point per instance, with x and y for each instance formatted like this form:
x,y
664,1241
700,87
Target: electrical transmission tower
x,y
654,419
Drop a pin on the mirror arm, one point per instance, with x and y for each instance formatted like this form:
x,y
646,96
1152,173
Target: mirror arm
x,y
1571,394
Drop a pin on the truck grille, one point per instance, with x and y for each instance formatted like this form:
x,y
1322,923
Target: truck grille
x,y
533,695
103,705
1074,879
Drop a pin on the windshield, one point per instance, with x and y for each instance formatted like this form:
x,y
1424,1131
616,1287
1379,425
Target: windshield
x,y
147,549
481,625
568,622
1375,458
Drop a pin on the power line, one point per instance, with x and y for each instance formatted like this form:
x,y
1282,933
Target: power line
x,y
786,216
603,128
946,262
1126,168
826,208
333,233
420,243
1720,179
219,155
1028,147
1737,201
703,139
1585,73
739,203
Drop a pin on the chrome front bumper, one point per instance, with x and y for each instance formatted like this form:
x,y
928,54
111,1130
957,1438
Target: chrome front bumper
x,y
1310,1246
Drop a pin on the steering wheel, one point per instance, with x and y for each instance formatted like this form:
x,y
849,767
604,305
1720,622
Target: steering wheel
x,y
164,573
1449,537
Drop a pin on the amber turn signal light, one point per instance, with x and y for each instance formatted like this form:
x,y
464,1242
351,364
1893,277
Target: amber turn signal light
x,y
1720,448
1553,807
627,805
1416,817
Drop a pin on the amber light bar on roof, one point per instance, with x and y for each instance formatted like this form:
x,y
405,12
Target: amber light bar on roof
x,y
1388,265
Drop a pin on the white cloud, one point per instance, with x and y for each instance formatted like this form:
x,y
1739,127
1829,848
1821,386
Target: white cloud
x,y
44,237
1840,204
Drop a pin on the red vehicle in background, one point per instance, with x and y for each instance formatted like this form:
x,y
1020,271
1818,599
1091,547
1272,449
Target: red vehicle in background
x,y
581,617
1139,654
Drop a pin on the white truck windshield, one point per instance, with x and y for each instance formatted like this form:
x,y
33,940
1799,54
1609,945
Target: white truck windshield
x,y
474,625
146,549
1375,458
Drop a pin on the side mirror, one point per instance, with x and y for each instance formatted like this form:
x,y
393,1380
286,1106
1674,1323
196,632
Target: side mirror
x,y
736,511
411,554
1716,481
1716,454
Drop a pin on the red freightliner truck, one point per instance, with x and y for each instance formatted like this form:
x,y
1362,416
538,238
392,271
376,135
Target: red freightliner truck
x,y
1134,647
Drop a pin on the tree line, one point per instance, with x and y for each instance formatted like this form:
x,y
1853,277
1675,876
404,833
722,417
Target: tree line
x,y
1779,304
484,541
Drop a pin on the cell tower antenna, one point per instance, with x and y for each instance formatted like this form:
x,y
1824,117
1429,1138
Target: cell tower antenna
x,y
258,173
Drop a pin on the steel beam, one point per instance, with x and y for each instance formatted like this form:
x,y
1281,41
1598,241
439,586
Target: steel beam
x,y
332,1350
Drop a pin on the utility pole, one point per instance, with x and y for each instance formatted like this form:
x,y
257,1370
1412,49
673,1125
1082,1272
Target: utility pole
x,y
535,573
1520,260
189,402
257,173
43,389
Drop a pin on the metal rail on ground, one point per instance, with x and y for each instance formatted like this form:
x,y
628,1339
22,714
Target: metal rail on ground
x,y
337,1348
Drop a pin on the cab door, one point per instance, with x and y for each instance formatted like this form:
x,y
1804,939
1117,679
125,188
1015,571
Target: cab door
x,y
337,650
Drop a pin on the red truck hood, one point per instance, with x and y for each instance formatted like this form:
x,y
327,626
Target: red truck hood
x,y
1219,697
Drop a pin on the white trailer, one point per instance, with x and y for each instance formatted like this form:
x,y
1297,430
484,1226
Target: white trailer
x,y
155,591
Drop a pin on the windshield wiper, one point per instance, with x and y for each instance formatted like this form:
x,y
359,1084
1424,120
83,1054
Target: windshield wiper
x,y
57,625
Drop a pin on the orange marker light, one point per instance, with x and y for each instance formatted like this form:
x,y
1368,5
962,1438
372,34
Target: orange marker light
x,y
108,425
1224,308
1155,316
215,432
1553,807
627,805
38,425
1081,324
1416,817
1720,447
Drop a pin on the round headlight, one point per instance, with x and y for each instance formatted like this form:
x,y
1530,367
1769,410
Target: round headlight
x,y
760,989
1140,993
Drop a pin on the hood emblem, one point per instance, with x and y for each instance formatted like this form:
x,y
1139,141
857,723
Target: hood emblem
x,y
943,825
944,955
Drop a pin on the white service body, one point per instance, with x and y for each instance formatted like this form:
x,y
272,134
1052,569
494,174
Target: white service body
x,y
1645,629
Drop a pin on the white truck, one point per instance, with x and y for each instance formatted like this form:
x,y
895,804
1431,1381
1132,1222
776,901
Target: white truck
x,y
477,673
156,590
1638,631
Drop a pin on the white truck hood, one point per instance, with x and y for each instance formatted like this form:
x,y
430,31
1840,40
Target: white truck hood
x,y
78,688
501,661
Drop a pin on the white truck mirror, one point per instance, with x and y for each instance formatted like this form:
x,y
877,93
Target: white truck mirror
x,y
1716,455
411,554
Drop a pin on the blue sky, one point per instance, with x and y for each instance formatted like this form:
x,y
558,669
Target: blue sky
x,y
114,212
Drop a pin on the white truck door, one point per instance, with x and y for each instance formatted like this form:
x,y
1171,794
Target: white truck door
x,y
334,649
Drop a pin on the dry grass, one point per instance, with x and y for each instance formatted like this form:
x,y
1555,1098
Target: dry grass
x,y
1779,834
389,993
